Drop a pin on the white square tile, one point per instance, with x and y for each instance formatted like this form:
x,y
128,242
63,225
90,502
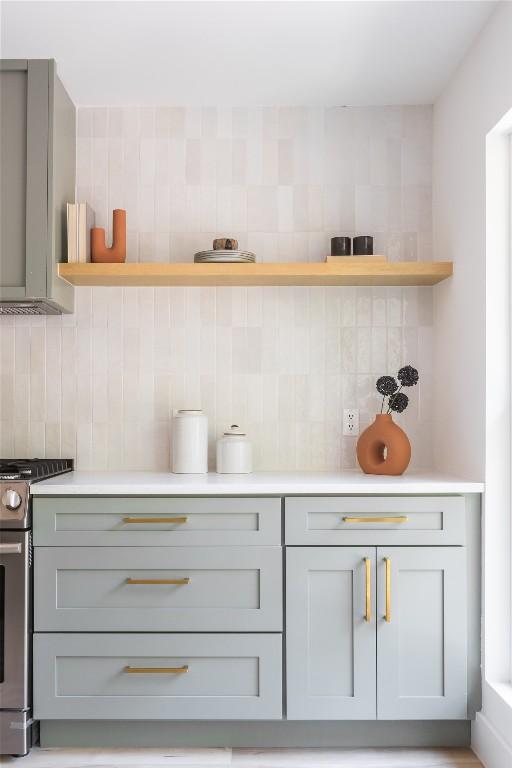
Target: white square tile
x,y
84,122
262,208
285,161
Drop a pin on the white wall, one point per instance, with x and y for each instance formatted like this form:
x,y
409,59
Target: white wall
x,y
472,335
283,362
470,106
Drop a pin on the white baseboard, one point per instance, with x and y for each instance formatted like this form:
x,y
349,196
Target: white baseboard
x,y
490,748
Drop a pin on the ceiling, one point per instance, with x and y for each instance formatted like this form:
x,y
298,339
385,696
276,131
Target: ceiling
x,y
246,53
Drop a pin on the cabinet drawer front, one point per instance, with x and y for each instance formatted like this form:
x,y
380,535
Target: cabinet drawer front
x,y
130,521
198,589
373,520
214,677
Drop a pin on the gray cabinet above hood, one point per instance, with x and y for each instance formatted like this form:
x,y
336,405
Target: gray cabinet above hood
x,y
37,158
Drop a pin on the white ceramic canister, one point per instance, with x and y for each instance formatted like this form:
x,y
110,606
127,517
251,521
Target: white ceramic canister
x,y
234,452
189,441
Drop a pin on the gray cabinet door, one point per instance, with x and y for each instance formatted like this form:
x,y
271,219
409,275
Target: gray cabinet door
x,y
38,159
421,633
331,649
24,178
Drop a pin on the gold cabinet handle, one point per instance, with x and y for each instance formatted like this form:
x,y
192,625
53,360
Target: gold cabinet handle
x,y
368,607
156,670
178,582
173,520
398,519
387,616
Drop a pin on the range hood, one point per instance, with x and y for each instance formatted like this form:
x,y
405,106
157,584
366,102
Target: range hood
x,y
30,307
38,158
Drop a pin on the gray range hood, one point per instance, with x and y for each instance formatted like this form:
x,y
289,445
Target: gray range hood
x,y
37,158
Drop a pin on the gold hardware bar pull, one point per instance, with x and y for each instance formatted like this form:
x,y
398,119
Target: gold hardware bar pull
x,y
178,582
387,616
156,670
368,610
174,520
399,519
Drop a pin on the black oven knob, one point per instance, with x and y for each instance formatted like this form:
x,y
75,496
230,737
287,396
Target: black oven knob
x,y
11,499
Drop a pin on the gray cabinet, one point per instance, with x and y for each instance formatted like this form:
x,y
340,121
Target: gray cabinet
x,y
375,617
421,647
37,157
401,658
330,633
125,589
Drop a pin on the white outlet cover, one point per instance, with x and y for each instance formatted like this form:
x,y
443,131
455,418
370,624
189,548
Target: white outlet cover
x,y
350,421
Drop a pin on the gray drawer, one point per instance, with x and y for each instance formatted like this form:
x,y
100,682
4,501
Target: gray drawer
x,y
217,589
155,521
87,676
374,520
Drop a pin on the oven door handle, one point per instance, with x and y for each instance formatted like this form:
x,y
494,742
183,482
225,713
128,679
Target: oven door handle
x,y
10,549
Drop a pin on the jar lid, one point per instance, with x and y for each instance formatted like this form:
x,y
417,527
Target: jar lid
x,y
188,412
234,429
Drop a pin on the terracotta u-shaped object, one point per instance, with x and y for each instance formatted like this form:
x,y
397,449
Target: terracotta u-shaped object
x,y
383,448
117,253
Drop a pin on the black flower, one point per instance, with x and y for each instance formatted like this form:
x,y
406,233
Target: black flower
x,y
408,376
387,385
398,402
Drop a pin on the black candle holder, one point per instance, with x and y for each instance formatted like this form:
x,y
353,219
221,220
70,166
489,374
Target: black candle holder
x,y
363,245
340,246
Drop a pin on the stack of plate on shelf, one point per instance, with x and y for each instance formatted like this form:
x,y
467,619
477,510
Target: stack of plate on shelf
x,y
224,257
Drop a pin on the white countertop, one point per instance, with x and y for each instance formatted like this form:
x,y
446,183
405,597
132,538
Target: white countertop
x,y
258,483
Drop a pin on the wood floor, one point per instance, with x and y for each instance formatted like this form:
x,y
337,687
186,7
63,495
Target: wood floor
x,y
247,758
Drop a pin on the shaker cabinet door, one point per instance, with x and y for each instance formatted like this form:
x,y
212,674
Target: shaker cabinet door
x,y
38,162
330,625
421,633
24,135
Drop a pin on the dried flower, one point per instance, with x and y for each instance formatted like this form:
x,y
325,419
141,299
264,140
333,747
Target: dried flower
x,y
399,402
387,385
408,376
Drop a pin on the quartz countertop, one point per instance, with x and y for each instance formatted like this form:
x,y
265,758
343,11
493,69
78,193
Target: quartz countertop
x,y
258,483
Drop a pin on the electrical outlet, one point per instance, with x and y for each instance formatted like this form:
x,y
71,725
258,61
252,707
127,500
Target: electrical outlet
x,y
350,421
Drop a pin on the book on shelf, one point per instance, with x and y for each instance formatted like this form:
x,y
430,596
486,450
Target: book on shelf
x,y
80,220
72,222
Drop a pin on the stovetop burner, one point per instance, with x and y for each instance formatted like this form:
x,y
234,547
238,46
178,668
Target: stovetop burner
x,y
31,470
14,470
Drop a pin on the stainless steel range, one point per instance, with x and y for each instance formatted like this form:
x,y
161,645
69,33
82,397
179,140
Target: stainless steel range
x,y
16,732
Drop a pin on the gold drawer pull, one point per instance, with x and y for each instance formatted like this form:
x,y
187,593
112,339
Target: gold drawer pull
x,y
387,616
368,611
156,670
399,519
175,520
178,582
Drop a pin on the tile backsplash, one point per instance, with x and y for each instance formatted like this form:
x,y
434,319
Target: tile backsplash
x,y
99,385
282,181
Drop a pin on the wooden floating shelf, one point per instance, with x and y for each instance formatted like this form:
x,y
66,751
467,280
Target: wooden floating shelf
x,y
349,271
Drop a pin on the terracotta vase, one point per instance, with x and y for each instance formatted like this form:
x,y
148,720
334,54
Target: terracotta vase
x,y
383,448
117,253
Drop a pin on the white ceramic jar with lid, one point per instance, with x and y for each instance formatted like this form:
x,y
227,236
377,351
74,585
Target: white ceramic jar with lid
x,y
189,441
234,452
